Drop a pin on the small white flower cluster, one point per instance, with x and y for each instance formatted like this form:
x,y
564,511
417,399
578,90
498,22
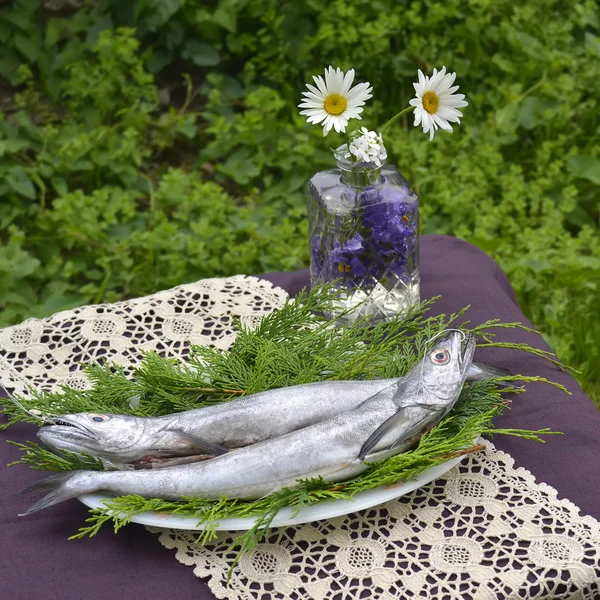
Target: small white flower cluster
x,y
367,146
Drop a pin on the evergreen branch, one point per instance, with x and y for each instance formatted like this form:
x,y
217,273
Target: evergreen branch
x,y
532,379
14,414
450,455
41,459
545,354
207,390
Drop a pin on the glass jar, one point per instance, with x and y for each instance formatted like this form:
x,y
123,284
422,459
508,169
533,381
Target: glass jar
x,y
364,234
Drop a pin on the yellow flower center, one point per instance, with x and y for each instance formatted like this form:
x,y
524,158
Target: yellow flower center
x,y
431,102
335,104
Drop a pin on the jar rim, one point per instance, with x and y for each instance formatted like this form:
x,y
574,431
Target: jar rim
x,y
341,154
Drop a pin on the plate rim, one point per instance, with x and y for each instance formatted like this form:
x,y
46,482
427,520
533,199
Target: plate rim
x,y
284,518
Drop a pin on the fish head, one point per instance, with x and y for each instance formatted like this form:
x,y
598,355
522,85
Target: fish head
x,y
100,434
444,368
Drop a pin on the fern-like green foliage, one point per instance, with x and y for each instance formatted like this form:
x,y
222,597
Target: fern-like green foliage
x,y
291,346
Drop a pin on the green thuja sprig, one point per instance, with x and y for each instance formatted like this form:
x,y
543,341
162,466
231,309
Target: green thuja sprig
x,y
42,459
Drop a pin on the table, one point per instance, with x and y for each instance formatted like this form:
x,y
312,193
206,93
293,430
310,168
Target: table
x,y
37,561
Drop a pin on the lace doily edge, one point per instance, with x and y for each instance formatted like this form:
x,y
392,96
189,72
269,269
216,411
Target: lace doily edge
x,y
13,383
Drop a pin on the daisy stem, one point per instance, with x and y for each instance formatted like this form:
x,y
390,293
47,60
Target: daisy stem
x,y
395,117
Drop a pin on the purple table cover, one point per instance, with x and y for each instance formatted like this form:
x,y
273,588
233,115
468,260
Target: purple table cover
x,y
37,561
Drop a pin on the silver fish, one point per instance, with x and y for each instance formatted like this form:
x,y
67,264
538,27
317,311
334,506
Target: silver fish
x,y
382,426
142,441
210,430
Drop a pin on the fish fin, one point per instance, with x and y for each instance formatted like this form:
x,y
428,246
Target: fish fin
x,y
197,445
278,488
401,394
56,489
393,422
163,462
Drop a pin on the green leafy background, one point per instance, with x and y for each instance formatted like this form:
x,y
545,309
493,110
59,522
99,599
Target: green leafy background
x,y
149,143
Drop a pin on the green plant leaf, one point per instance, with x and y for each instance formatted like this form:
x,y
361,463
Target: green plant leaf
x,y
54,29
11,146
201,54
580,217
226,17
187,127
532,109
20,18
60,185
8,215
174,34
28,45
93,33
240,166
507,118
585,167
504,63
57,302
159,12
159,59
20,182
592,43
531,45
487,245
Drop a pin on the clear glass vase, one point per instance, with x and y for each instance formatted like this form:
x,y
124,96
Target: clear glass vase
x,y
364,233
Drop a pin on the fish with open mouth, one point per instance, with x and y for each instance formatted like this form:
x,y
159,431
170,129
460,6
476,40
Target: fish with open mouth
x,y
336,449
144,442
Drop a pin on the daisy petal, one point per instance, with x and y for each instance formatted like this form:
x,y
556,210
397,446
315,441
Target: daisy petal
x,y
316,91
347,104
418,117
441,101
442,123
321,85
310,104
348,79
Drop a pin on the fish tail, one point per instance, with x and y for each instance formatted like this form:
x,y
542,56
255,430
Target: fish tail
x,y
56,488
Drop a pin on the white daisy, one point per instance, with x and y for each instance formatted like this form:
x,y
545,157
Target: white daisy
x,y
436,103
367,146
332,102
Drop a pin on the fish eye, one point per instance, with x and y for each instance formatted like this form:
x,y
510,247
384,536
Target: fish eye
x,y
440,357
99,418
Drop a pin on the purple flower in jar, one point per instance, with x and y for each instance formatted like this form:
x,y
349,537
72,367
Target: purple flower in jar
x,y
381,208
343,255
316,253
357,268
389,219
400,226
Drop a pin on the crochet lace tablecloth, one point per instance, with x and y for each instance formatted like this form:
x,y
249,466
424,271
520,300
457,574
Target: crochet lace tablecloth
x,y
486,530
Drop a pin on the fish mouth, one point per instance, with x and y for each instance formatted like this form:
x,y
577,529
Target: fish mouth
x,y
65,427
465,351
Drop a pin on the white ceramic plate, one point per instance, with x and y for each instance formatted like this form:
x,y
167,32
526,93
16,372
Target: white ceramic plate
x,y
316,512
